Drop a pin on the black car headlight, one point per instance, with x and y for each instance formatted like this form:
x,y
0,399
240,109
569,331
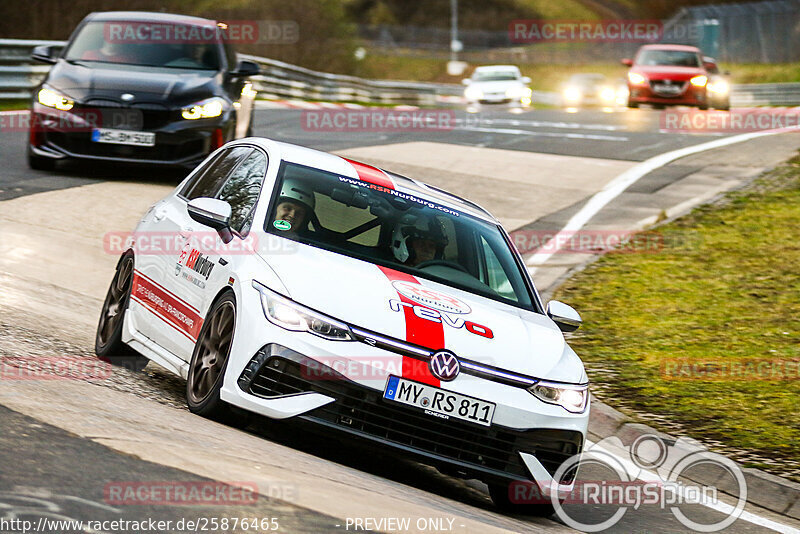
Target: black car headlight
x,y
572,397
286,313
205,109
53,99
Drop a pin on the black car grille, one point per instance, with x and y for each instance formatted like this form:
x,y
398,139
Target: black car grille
x,y
80,143
681,87
139,116
363,411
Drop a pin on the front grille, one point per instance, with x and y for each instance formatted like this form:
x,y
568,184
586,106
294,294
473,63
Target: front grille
x,y
139,116
363,411
173,150
680,87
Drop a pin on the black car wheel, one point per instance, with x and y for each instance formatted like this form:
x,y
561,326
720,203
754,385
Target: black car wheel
x,y
40,163
209,362
108,343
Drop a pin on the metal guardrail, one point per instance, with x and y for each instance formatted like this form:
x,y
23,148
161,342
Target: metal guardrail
x,y
19,74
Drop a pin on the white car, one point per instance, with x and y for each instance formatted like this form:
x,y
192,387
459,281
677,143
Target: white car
x,y
498,84
293,283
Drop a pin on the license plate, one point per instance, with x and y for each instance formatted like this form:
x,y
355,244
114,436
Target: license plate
x,y
439,402
123,137
667,89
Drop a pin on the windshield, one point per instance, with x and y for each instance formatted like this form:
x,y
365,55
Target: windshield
x,y
676,58
141,44
495,76
398,230
587,80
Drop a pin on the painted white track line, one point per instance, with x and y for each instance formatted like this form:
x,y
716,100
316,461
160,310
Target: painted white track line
x,y
718,506
619,184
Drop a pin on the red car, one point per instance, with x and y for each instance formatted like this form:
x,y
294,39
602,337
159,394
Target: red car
x,y
665,74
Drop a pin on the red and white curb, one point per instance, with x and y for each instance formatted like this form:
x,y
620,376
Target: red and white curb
x,y
302,104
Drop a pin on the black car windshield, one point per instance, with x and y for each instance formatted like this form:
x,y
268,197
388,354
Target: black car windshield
x,y
672,58
495,76
397,230
147,44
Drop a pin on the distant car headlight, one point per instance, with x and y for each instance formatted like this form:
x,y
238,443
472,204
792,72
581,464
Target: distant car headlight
x,y
53,99
699,81
636,79
720,87
572,398
572,94
473,93
607,94
205,109
286,313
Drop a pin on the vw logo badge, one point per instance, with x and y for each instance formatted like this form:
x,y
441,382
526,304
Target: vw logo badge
x,y
444,366
126,97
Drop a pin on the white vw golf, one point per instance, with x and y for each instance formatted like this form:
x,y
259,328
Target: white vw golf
x,y
293,283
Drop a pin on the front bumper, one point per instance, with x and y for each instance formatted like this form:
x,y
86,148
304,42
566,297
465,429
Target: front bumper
x,y
689,95
358,412
178,142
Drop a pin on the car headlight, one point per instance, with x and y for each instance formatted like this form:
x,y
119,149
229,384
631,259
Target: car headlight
x,y
636,79
571,397
286,313
205,109
699,81
53,99
473,93
607,94
720,87
518,92
572,94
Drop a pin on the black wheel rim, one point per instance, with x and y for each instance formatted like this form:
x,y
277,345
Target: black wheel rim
x,y
211,353
116,301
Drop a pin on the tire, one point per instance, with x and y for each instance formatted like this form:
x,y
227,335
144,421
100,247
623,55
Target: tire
x,y
209,362
632,104
108,344
39,163
702,107
499,495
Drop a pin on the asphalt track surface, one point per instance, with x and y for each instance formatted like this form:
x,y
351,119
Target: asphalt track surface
x,y
55,464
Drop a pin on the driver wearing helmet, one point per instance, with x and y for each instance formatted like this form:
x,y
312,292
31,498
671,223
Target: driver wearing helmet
x,y
295,205
424,240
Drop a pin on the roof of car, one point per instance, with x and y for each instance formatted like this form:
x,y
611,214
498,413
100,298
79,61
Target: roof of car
x,y
147,16
686,48
337,164
497,67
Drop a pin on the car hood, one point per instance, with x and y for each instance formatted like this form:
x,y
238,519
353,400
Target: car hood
x,y
496,87
659,72
365,295
83,81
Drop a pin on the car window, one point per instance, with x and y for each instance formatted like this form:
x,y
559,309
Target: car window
x,y
672,58
495,76
396,229
242,189
162,44
207,182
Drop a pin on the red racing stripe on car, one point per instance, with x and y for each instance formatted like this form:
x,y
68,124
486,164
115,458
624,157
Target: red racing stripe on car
x,y
370,174
419,331
166,306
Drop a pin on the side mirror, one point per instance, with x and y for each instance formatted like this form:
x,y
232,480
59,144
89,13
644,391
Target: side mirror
x,y
710,66
246,68
525,80
214,213
567,319
627,62
44,53
466,81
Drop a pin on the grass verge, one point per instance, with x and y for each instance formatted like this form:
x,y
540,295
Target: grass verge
x,y
657,324
9,105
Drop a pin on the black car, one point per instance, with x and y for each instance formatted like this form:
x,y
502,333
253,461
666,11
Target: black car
x,y
140,88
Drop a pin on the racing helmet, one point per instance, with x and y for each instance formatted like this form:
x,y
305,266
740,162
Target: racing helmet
x,y
424,227
297,192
